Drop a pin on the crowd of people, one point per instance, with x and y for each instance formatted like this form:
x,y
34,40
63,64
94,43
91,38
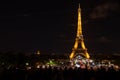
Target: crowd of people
x,y
61,73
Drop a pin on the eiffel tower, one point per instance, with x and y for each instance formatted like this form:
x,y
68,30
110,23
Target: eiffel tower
x,y
79,46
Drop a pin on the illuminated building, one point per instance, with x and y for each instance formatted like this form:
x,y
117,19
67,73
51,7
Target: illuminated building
x,y
79,50
38,52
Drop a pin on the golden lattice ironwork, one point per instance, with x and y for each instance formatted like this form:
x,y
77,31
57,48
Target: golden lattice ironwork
x,y
79,46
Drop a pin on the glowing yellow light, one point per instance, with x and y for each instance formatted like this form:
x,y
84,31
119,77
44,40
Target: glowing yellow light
x,y
83,45
79,30
76,45
71,55
87,55
79,40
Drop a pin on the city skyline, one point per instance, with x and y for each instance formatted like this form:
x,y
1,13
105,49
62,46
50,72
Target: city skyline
x,y
51,27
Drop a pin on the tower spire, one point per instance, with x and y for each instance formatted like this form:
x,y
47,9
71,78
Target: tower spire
x,y
79,5
79,28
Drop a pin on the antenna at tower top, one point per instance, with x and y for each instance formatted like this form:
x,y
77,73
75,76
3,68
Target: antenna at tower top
x,y
79,5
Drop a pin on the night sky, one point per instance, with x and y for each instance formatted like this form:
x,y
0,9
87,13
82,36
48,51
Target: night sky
x,y
50,26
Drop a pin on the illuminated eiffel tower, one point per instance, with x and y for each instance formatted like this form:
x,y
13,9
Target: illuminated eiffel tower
x,y
79,46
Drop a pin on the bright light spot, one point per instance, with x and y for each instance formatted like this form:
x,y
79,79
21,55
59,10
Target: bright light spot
x,y
38,66
26,63
77,65
28,68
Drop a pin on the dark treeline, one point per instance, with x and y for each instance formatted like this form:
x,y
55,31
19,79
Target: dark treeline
x,y
12,59
19,59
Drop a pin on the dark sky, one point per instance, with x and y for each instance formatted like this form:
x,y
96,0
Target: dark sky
x,y
50,26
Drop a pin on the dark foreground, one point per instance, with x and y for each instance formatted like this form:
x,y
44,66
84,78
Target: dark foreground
x,y
58,73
